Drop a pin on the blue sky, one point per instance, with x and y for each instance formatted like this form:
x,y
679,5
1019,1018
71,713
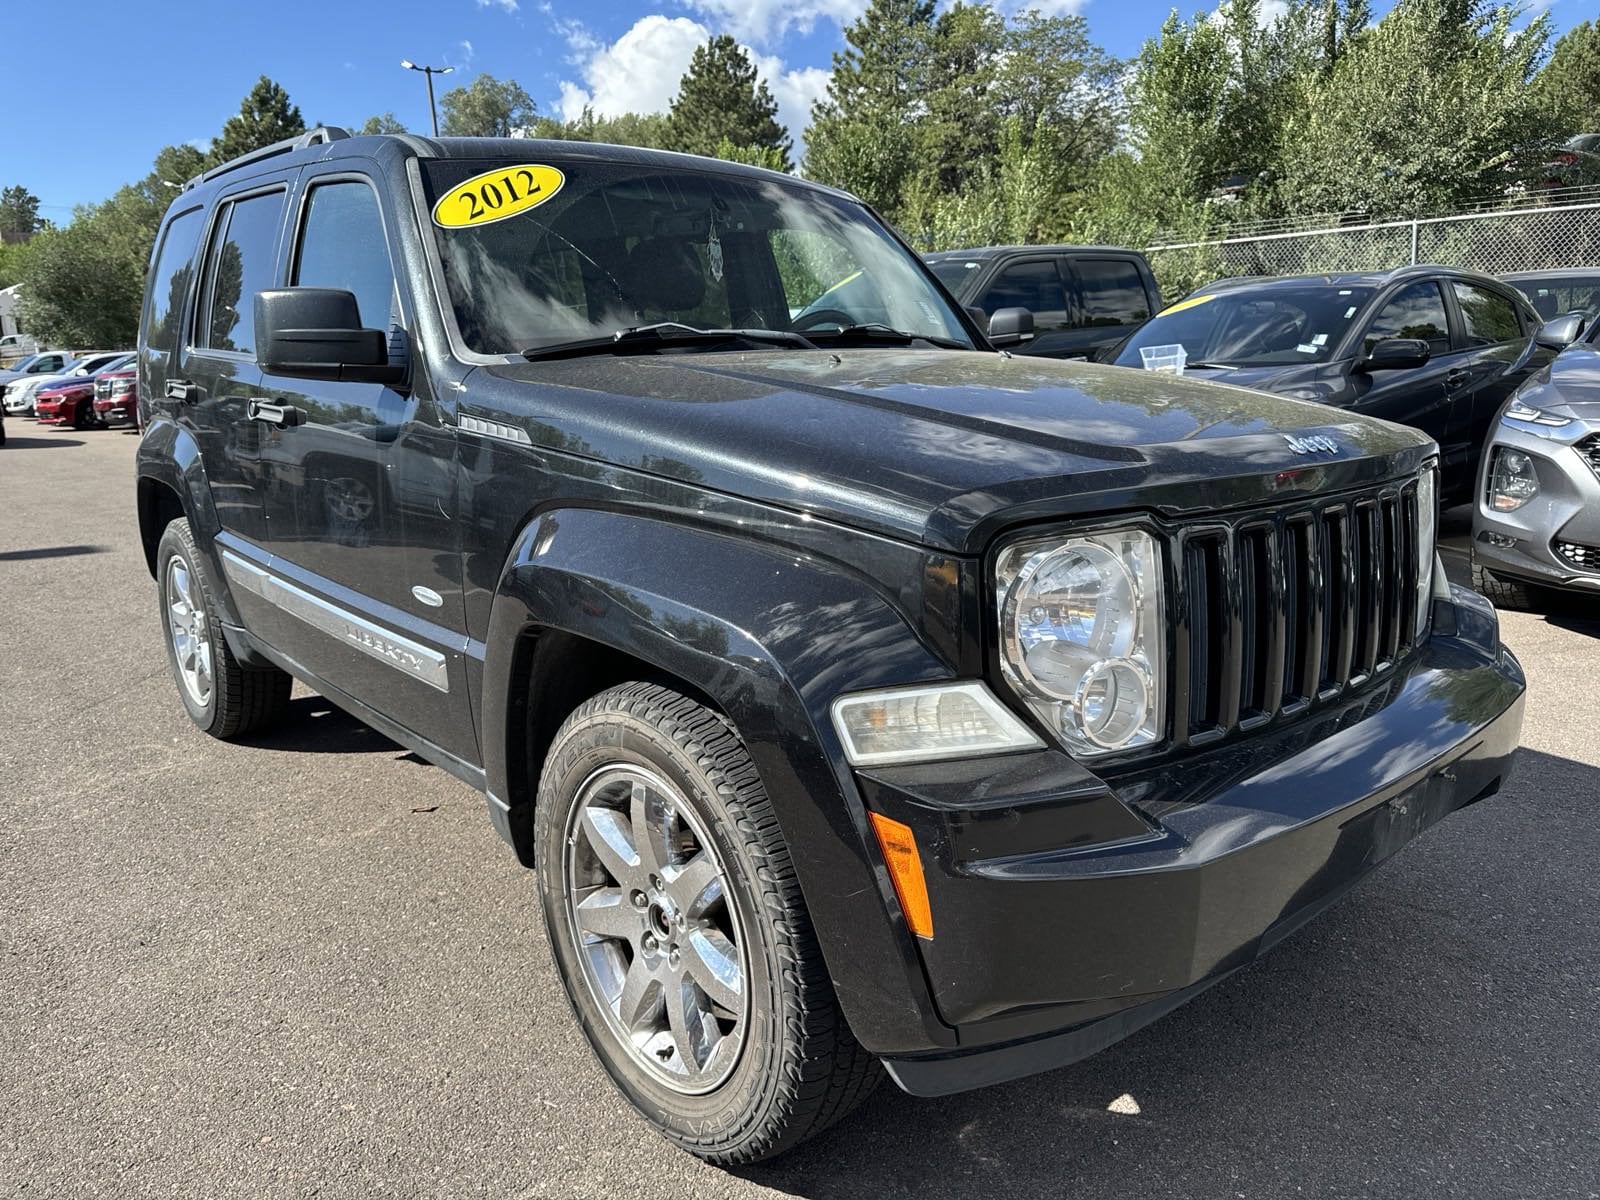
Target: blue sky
x,y
78,128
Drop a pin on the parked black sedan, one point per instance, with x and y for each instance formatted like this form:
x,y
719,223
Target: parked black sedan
x,y
1436,348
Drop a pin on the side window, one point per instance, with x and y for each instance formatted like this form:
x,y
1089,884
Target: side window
x,y
342,246
240,264
1415,311
169,281
1112,291
1487,318
1035,286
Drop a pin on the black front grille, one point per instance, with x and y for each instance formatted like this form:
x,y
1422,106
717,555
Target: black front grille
x,y
1590,449
1586,558
1278,612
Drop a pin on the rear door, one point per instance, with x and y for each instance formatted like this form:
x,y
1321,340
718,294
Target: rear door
x,y
1036,284
1113,297
1497,354
360,494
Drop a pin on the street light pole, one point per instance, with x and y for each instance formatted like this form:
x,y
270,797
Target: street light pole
x,y
430,72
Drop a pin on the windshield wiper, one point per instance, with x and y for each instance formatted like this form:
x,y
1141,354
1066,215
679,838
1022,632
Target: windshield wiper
x,y
876,332
1213,366
646,338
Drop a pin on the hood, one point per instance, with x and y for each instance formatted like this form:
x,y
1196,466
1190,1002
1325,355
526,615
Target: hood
x,y
939,446
1569,386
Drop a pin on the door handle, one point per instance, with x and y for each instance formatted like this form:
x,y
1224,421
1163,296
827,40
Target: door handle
x,y
182,391
284,416
1457,376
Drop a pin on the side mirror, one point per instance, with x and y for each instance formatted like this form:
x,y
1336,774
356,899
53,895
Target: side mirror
x,y
1395,354
316,333
1561,332
1010,327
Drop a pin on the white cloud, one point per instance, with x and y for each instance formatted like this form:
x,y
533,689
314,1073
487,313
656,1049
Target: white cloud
x,y
639,72
764,21
509,6
466,53
1067,8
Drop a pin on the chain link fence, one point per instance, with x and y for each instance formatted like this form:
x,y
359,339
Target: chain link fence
x,y
1495,242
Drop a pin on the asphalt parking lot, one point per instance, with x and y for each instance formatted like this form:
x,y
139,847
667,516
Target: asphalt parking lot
x,y
306,966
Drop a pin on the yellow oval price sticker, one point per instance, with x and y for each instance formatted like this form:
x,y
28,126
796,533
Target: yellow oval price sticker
x,y
497,194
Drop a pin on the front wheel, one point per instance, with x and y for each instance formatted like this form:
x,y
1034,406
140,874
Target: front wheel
x,y
677,922
222,696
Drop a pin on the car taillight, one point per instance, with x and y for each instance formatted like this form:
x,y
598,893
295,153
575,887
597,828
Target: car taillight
x,y
1567,160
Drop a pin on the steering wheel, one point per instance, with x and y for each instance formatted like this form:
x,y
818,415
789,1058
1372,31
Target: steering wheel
x,y
822,316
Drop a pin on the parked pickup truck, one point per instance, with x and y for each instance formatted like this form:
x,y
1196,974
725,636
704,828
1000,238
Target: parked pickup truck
x,y
861,695
1055,301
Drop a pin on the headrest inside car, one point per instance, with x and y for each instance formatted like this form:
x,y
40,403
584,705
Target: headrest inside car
x,y
665,274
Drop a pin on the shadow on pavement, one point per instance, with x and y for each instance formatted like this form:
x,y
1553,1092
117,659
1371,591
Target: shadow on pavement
x,y
317,726
50,552
31,443
1433,1034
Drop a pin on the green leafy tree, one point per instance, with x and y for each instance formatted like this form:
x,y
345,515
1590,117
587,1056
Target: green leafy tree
x,y
1419,115
1569,85
19,211
720,99
385,122
487,107
770,157
863,134
265,116
625,129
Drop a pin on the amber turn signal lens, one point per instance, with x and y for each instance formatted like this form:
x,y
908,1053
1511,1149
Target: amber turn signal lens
x,y
905,868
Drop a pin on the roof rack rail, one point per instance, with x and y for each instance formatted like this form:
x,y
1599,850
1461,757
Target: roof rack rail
x,y
311,137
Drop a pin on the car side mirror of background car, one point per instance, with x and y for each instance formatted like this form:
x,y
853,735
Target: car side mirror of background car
x,y
979,317
316,333
1010,326
1395,354
1560,332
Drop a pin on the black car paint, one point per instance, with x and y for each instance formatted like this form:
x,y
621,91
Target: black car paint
x,y
1453,398
1078,339
838,511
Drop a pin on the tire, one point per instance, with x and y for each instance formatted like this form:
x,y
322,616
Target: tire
x,y
222,696
83,417
794,1067
1510,594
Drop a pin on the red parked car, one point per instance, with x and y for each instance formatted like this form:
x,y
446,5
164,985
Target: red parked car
x,y
116,395
71,401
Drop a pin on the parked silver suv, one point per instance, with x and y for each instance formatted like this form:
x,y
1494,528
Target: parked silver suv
x,y
1536,524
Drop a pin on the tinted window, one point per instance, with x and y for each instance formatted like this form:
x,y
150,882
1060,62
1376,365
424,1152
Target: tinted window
x,y
1112,291
342,246
1253,327
239,266
955,273
169,281
1035,286
1553,297
1487,318
1415,311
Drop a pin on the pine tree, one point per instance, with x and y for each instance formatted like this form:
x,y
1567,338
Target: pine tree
x,y
720,100
265,116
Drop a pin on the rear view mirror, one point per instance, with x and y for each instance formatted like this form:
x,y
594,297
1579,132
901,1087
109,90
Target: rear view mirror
x,y
1396,354
1560,332
1010,327
316,333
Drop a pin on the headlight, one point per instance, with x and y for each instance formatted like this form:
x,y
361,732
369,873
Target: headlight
x,y
1512,480
1082,636
1427,543
1518,411
121,387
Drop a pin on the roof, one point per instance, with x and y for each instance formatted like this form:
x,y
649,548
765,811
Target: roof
x,y
991,251
331,142
1372,279
1553,273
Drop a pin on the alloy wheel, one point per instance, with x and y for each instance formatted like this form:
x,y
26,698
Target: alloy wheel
x,y
190,633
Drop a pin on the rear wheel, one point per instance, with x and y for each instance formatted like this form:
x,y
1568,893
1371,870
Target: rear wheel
x,y
677,923
222,696
1511,594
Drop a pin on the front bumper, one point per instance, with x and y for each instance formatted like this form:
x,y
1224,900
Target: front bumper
x,y
1069,911
1566,510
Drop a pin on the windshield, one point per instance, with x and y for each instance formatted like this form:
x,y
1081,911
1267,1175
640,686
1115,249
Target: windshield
x,y
955,272
1253,327
614,246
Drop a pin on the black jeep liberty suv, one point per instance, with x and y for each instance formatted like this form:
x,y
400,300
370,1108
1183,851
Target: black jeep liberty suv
x,y
859,693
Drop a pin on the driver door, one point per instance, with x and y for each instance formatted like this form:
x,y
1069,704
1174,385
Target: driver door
x,y
1421,396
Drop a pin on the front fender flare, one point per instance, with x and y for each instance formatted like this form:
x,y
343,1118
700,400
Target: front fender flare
x,y
771,637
